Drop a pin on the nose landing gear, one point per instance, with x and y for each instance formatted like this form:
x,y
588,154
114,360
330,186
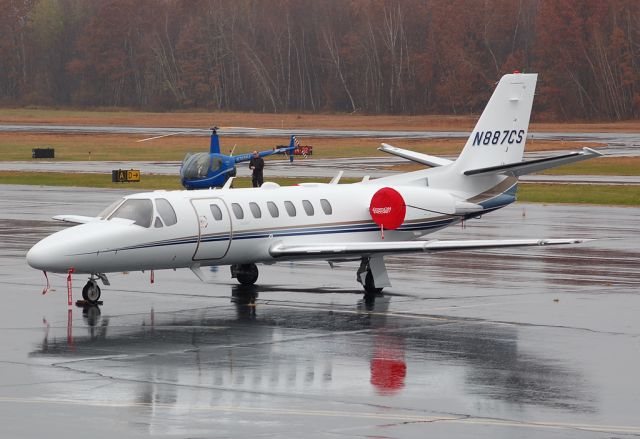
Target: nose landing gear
x,y
91,291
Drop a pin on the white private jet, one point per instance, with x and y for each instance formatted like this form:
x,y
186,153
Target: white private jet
x,y
334,222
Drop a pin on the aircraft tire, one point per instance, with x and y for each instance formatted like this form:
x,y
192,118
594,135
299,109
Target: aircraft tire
x,y
91,292
369,288
247,274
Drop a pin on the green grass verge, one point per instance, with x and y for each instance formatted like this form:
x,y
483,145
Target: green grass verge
x,y
609,195
627,166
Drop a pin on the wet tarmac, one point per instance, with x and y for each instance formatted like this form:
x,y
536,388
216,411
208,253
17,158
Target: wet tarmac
x,y
503,343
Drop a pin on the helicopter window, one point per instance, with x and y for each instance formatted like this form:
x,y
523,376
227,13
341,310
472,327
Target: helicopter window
x,y
308,207
139,211
326,206
158,223
166,211
216,212
291,209
196,166
255,210
216,163
106,212
273,209
237,210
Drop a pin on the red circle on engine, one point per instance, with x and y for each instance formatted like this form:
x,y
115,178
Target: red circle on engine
x,y
388,208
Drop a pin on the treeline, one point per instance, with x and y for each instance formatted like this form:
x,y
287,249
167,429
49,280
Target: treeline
x,y
371,56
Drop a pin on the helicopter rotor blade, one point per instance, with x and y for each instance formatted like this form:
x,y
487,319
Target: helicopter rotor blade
x,y
171,134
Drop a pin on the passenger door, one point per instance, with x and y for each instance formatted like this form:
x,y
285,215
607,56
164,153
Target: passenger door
x,y
214,228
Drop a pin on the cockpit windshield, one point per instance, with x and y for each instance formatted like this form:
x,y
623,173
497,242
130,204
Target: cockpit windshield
x,y
197,166
106,212
140,211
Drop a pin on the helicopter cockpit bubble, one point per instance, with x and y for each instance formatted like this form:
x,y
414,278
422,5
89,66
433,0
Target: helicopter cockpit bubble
x,y
196,166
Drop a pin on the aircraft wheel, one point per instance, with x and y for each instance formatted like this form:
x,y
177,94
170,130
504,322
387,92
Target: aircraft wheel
x,y
369,288
247,274
91,292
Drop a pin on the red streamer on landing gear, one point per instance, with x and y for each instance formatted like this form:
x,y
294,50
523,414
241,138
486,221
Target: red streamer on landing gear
x,y
70,328
46,289
69,287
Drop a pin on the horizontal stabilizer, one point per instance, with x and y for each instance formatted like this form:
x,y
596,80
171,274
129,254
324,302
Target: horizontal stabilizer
x,y
74,219
417,157
528,167
337,250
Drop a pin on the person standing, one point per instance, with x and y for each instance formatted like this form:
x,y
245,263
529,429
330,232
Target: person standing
x,y
257,166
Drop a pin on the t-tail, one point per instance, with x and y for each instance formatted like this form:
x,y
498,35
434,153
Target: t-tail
x,y
496,144
487,170
501,132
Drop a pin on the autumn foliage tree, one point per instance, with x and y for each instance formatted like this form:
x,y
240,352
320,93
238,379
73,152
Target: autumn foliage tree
x,y
369,56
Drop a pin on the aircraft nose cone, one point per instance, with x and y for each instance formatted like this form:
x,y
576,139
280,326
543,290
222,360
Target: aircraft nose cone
x,y
38,257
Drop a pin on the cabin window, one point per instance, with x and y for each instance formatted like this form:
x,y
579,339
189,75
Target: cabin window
x,y
216,212
291,209
273,209
166,212
106,212
157,223
255,210
139,211
308,207
326,206
237,210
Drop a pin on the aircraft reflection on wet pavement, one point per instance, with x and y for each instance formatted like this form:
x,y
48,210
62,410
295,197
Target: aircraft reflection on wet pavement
x,y
271,349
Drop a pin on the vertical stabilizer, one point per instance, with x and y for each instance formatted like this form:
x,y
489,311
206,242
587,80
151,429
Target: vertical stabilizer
x,y
501,132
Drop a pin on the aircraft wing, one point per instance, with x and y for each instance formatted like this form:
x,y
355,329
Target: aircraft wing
x,y
74,219
388,248
417,157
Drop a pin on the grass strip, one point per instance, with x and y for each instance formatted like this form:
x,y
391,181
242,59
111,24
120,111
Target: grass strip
x,y
147,182
607,195
627,166
610,195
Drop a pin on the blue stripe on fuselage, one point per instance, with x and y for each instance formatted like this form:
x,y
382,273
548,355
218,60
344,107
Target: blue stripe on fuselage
x,y
294,231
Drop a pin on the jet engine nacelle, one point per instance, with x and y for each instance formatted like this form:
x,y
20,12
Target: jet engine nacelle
x,y
390,208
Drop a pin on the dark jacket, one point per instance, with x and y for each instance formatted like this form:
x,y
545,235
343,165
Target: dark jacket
x,y
257,164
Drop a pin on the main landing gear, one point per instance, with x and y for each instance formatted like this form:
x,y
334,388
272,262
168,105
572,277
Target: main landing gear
x,y
247,274
372,274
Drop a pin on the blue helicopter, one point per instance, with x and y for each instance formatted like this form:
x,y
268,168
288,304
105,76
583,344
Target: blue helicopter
x,y
204,170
